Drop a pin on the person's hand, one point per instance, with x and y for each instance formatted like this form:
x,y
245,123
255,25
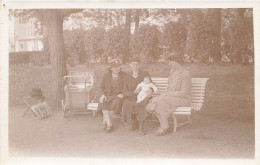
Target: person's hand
x,y
136,92
120,95
149,92
164,94
102,99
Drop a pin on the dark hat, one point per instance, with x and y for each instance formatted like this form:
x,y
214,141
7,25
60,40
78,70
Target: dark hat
x,y
36,92
114,62
134,59
176,58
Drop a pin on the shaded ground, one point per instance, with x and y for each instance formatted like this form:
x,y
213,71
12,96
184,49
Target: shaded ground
x,y
82,136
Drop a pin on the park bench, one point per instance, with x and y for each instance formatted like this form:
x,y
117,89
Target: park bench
x,y
197,91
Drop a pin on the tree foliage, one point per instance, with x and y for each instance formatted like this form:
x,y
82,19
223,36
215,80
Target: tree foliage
x,y
174,38
74,46
207,35
200,35
209,40
93,43
115,43
145,43
237,35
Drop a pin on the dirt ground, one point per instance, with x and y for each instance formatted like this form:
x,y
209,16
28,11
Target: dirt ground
x,y
82,136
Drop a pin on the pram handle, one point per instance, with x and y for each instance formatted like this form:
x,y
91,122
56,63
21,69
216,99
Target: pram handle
x,y
87,80
66,77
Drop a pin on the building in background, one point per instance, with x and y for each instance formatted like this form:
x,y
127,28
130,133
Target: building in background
x,y
24,35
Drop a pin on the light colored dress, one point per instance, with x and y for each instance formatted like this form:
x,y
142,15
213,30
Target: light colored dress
x,y
144,88
178,93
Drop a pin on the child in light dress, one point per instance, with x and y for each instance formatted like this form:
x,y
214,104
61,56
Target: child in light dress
x,y
143,88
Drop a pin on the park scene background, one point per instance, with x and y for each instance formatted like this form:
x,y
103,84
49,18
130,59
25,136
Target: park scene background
x,y
215,43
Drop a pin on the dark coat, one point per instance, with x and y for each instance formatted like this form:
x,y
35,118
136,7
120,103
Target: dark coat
x,y
131,83
104,86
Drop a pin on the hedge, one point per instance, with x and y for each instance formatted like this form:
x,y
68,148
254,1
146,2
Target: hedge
x,y
34,58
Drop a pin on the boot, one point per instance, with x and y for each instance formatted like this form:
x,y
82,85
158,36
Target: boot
x,y
109,129
141,128
123,120
107,124
135,122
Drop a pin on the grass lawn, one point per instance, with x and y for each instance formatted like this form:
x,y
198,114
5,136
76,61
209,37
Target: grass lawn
x,y
223,129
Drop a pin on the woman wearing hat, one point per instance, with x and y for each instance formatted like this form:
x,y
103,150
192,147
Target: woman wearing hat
x,y
130,106
178,93
110,88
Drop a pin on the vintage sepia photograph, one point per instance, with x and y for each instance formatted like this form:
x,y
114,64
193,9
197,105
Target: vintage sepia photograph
x,y
129,83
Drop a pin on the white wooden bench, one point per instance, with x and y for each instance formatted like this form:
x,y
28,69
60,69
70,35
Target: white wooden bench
x,y
197,91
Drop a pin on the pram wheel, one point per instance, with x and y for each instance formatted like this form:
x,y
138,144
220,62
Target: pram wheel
x,y
66,113
65,110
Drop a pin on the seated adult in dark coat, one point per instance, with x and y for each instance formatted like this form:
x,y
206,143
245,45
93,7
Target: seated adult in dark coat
x,y
110,89
130,106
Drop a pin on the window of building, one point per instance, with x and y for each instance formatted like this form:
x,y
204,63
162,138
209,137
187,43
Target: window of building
x,y
21,46
30,45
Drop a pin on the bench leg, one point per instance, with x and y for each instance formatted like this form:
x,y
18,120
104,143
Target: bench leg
x,y
189,119
94,113
175,123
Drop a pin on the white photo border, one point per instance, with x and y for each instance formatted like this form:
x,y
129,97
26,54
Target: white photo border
x,y
61,4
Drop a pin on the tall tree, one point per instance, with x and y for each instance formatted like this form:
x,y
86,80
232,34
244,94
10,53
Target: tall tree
x,y
203,42
137,18
53,20
128,31
242,45
237,34
215,28
193,18
210,36
139,15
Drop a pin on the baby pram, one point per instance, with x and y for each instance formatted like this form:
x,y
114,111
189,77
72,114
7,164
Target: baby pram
x,y
78,93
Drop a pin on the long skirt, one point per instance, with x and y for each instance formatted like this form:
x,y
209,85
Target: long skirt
x,y
166,105
131,107
112,103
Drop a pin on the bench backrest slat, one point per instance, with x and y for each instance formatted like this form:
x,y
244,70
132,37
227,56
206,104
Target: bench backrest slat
x,y
197,90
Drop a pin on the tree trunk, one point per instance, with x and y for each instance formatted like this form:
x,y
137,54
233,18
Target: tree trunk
x,y
137,19
217,42
53,20
242,45
191,47
128,31
128,21
118,18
